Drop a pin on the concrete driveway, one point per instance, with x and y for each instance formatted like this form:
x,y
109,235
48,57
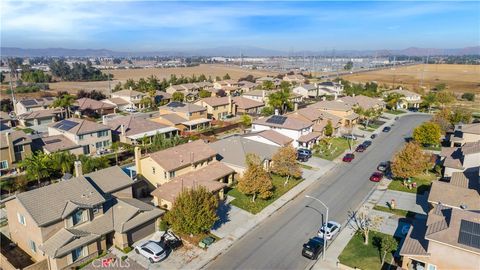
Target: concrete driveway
x,y
318,163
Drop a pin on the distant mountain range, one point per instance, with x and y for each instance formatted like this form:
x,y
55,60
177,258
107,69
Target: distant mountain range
x,y
233,51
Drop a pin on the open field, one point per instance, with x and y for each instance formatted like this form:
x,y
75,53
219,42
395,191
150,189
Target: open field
x,y
458,78
123,74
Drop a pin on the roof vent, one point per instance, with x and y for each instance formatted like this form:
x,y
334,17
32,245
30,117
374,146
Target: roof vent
x,y
463,206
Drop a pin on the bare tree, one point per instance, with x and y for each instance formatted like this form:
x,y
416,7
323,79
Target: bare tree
x,y
363,222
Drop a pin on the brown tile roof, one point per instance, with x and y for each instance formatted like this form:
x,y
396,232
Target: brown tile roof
x,y
173,118
134,125
246,103
471,128
415,243
362,101
17,137
333,105
311,114
447,151
183,155
58,143
215,101
39,114
207,177
92,104
118,101
176,106
471,148
83,126
128,93
290,123
273,136
462,191
309,137
320,126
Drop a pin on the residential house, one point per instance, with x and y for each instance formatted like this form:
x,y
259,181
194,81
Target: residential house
x,y
185,166
218,108
307,90
461,191
244,105
40,117
247,86
464,133
72,221
225,84
131,96
87,135
409,100
88,106
6,121
30,105
300,131
262,96
338,108
134,130
364,102
294,79
120,103
162,97
276,81
330,88
189,90
270,137
460,159
14,147
232,151
319,118
448,239
184,116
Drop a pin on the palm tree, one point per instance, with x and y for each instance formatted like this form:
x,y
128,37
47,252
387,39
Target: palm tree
x,y
63,161
280,100
65,102
37,166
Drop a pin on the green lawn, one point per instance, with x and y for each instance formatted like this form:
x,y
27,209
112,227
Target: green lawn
x,y
338,146
433,147
396,112
245,202
424,181
365,257
398,212
305,166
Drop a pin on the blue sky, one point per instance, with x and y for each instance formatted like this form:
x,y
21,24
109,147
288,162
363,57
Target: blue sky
x,y
154,25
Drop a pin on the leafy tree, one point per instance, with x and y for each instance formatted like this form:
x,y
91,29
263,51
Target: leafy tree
x,y
430,100
284,163
460,115
6,105
146,102
267,111
218,78
35,76
37,166
221,93
362,222
204,94
428,133
117,87
14,64
329,129
445,97
442,119
268,85
226,77
65,102
246,120
94,94
130,83
469,96
178,96
248,78
348,66
285,85
392,99
440,87
387,244
90,164
78,71
117,61
280,100
410,161
193,212
255,180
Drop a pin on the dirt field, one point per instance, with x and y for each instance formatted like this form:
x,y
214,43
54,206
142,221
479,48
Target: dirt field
x,y
458,78
123,74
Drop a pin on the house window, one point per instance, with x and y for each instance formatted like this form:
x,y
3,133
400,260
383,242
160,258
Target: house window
x,y
106,143
102,133
153,170
4,164
18,148
80,137
165,175
432,267
33,246
78,217
21,219
98,144
96,209
172,174
78,253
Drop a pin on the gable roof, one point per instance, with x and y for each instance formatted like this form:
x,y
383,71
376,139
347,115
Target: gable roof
x,y
471,128
362,101
39,114
110,179
128,93
333,105
82,126
18,137
463,190
37,102
216,101
92,104
135,125
173,118
176,106
246,103
273,136
289,123
58,143
307,87
183,155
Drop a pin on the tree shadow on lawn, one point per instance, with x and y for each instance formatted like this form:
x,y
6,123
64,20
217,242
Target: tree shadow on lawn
x,y
223,213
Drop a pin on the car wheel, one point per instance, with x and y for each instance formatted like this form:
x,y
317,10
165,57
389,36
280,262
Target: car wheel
x,y
136,251
151,260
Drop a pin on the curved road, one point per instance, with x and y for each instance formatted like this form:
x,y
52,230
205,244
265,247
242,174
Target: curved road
x,y
277,242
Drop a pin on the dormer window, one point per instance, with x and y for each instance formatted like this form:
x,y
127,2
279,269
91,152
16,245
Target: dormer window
x,y
78,217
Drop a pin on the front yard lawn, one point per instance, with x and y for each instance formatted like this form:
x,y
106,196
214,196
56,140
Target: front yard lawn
x,y
396,112
398,212
424,181
433,147
337,147
245,202
358,255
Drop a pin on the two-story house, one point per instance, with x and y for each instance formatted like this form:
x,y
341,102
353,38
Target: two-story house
x,y
184,116
319,119
307,90
460,159
294,79
67,223
30,105
88,106
301,132
14,147
262,96
39,117
78,136
464,133
330,88
131,96
409,99
364,102
218,108
338,108
185,166
244,105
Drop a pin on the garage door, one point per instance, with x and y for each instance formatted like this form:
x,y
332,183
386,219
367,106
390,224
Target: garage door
x,y
141,232
45,121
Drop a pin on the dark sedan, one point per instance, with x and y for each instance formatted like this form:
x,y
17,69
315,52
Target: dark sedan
x,y
313,248
348,157
386,129
360,148
367,143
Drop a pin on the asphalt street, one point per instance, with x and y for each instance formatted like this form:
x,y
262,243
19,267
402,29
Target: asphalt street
x,y
277,242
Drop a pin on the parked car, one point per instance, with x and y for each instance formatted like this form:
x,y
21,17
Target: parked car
x,y
302,157
386,129
376,177
313,248
383,166
153,251
329,230
360,148
373,136
348,157
349,136
367,143
305,152
130,109
413,109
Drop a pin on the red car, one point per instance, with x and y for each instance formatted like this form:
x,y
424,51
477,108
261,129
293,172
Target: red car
x,y
376,177
348,157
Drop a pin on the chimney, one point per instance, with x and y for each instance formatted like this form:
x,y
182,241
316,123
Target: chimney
x,y
130,88
230,105
353,95
324,98
263,95
122,130
11,154
138,156
295,106
277,112
104,119
336,95
78,168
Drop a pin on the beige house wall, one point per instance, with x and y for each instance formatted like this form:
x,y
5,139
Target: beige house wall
x,y
88,139
66,262
5,155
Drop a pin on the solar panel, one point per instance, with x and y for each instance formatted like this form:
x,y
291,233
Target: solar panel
x,y
175,104
66,125
49,98
277,119
29,102
469,234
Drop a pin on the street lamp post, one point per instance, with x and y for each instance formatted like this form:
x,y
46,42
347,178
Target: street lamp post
x,y
324,238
